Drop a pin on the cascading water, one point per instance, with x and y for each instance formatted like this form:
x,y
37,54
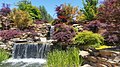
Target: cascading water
x,y
28,55
51,31
30,51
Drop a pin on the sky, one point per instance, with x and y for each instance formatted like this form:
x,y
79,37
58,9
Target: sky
x,y
50,5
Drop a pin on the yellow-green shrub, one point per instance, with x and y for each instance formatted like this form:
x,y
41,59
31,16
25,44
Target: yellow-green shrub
x,y
88,38
20,18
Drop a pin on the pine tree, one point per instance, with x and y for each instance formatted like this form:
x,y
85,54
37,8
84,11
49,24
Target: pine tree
x,y
44,14
90,9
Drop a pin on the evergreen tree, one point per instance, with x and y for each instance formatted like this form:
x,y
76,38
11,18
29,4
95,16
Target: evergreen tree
x,y
90,9
44,14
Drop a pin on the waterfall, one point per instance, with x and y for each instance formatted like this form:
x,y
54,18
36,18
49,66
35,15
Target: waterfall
x,y
28,55
30,50
51,31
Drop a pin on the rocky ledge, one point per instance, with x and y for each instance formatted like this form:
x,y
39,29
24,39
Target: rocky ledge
x,y
101,58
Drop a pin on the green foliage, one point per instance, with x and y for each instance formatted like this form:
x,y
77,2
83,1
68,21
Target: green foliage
x,y
20,18
26,5
44,14
3,55
68,58
80,17
88,38
90,9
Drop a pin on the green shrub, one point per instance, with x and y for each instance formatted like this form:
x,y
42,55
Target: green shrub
x,y
68,58
3,55
27,6
90,9
20,18
88,38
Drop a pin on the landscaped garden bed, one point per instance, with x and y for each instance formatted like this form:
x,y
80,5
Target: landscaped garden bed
x,y
88,37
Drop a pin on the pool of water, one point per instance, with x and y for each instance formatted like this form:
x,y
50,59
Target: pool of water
x,y
23,63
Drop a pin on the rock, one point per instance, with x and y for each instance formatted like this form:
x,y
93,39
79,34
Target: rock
x,y
37,37
118,53
10,43
3,46
117,59
15,39
101,65
40,34
101,59
30,40
86,65
89,50
105,53
105,63
43,39
92,59
83,53
110,61
96,54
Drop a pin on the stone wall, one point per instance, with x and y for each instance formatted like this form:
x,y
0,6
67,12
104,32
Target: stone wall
x,y
101,58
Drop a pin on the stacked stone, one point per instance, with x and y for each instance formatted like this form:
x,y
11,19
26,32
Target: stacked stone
x,y
101,58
